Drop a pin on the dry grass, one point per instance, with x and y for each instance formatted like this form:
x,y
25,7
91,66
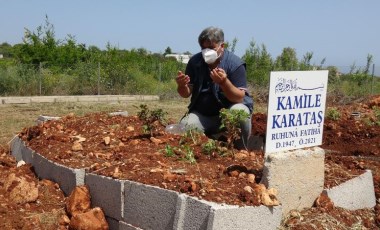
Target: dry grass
x,y
13,118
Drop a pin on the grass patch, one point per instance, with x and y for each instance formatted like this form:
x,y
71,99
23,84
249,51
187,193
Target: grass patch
x,y
13,118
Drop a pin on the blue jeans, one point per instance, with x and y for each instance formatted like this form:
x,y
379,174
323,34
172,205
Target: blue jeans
x,y
211,124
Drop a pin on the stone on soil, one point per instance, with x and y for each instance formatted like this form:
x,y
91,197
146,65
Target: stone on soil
x,y
92,219
21,189
79,201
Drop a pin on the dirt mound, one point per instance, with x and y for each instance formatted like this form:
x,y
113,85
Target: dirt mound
x,y
120,147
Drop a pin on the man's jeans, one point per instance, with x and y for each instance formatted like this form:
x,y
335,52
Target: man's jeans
x,y
210,124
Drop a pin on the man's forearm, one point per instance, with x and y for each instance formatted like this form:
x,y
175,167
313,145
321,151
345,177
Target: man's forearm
x,y
232,93
184,91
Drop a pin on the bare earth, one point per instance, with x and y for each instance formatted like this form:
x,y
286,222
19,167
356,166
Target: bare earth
x,y
117,147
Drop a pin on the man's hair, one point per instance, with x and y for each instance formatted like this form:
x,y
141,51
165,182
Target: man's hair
x,y
211,34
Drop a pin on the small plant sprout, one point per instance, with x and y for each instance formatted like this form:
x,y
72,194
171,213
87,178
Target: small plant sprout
x,y
193,134
209,147
189,155
231,120
333,114
151,119
169,151
373,119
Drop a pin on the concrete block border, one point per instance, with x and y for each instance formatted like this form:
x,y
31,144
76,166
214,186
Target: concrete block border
x,y
66,177
357,193
107,193
133,206
81,98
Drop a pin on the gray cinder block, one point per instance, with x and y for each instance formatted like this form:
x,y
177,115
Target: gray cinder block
x,y
113,224
357,193
126,226
67,178
67,99
149,207
20,151
16,100
17,145
107,193
193,213
201,214
42,99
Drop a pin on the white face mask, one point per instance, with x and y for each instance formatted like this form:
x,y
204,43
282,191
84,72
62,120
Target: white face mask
x,y
210,55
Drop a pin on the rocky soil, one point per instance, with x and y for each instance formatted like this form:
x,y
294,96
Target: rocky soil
x,y
130,148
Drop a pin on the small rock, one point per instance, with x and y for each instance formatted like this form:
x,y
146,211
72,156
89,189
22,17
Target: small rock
x,y
251,178
20,163
79,201
156,170
79,138
240,155
93,219
134,142
193,186
77,147
170,176
242,175
116,173
248,189
107,140
294,214
155,140
64,220
21,189
323,201
269,197
234,173
130,128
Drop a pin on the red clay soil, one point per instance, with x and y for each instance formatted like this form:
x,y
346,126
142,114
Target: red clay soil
x,y
117,147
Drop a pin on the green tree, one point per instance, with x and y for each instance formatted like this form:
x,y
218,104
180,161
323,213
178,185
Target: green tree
x,y
359,75
333,74
38,46
6,50
287,61
305,62
231,47
168,50
259,63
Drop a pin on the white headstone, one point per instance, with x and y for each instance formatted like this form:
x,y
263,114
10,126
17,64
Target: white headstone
x,y
296,110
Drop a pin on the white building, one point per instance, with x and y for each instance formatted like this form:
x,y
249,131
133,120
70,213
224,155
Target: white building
x,y
184,58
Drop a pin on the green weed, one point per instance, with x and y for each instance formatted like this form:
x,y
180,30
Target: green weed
x,y
151,119
333,114
231,120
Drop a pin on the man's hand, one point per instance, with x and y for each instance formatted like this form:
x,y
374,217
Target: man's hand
x,y
183,87
233,94
182,80
219,76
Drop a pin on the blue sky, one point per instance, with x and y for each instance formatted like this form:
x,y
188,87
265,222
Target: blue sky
x,y
343,32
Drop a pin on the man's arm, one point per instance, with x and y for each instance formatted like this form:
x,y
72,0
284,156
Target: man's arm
x,y
184,89
231,92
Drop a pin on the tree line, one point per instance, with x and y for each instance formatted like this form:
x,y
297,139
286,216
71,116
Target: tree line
x,y
45,65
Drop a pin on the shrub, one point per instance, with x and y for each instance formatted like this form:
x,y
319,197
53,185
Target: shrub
x,y
333,114
231,120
